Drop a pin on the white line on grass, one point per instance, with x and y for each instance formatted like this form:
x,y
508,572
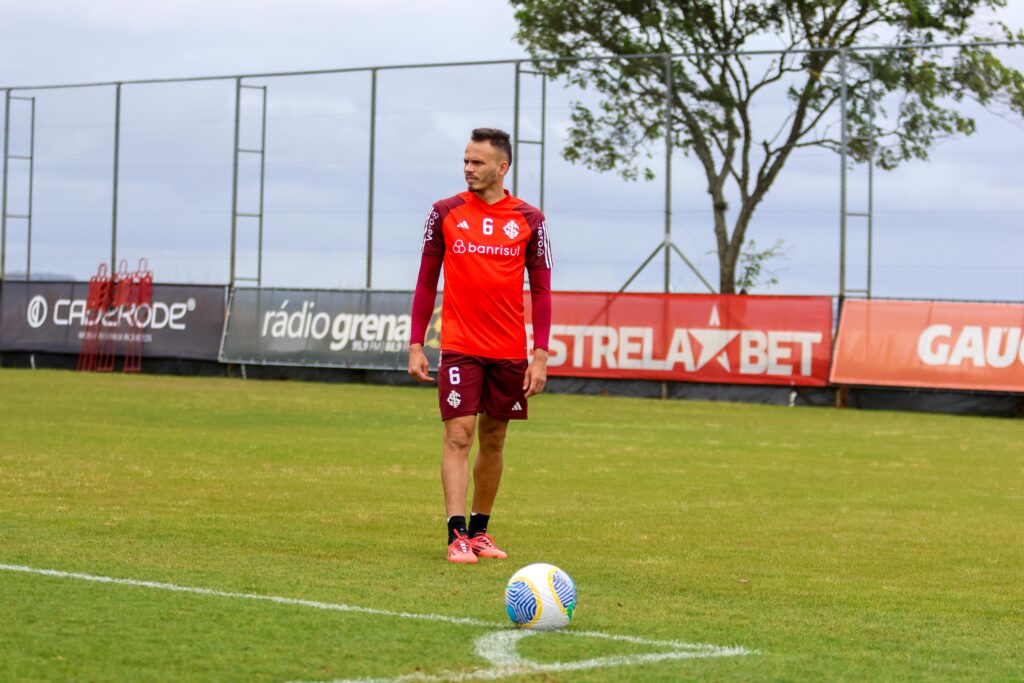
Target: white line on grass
x,y
245,596
497,648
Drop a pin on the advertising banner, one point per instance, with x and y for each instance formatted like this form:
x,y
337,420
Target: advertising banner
x,y
354,329
183,321
703,338
692,337
931,344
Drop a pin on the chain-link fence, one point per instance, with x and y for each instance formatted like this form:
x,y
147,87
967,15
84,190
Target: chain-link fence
x,y
323,179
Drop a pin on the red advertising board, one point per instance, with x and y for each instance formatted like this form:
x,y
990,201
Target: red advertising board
x,y
931,344
691,337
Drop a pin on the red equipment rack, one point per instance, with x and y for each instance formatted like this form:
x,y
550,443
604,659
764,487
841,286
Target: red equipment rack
x,y
113,307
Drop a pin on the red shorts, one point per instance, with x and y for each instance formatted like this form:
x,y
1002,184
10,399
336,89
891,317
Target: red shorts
x,y
467,385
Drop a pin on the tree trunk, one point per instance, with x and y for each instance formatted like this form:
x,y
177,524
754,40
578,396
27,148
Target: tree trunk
x,y
727,255
727,271
727,261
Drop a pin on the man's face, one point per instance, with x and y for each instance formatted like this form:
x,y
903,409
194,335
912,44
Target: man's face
x,y
483,165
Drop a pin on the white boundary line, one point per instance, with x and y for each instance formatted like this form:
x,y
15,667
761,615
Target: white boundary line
x,y
245,596
497,648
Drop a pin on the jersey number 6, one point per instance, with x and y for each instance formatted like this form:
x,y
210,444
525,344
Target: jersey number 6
x,y
488,226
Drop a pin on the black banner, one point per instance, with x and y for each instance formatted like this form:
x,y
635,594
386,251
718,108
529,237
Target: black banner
x,y
184,321
345,329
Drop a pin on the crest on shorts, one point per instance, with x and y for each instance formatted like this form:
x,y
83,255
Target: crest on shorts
x,y
454,399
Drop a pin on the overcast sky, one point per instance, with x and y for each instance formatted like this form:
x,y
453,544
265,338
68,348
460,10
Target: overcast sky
x,y
951,227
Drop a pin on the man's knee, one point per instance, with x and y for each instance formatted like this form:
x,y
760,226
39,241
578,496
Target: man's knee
x,y
492,435
458,434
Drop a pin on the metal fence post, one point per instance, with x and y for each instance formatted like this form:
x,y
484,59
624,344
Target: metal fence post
x,y
871,175
844,142
543,134
117,165
31,174
373,157
3,210
234,183
515,134
669,94
263,175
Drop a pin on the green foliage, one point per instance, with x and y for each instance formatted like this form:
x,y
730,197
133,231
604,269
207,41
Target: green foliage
x,y
915,92
753,264
844,545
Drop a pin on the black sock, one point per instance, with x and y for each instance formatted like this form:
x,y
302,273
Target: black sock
x,y
478,524
456,523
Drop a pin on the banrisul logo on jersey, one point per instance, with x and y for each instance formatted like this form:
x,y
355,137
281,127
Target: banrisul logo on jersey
x,y
357,329
467,247
703,338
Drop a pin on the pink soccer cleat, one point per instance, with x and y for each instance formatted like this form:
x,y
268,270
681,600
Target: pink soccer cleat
x,y
460,551
483,546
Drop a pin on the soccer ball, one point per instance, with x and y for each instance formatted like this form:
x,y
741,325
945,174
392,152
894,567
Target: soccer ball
x,y
541,597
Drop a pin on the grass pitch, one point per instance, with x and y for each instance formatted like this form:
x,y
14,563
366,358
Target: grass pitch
x,y
838,544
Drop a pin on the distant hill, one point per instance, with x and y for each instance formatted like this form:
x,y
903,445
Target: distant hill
x,y
40,276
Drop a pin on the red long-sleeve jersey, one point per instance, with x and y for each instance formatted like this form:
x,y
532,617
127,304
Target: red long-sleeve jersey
x,y
484,249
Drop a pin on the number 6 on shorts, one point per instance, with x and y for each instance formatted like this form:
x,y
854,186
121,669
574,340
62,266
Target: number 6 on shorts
x,y
453,375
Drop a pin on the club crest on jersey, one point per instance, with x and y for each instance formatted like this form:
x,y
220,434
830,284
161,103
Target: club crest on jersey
x,y
511,229
454,399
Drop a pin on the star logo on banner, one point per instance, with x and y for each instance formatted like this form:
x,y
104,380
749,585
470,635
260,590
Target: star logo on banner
x,y
714,341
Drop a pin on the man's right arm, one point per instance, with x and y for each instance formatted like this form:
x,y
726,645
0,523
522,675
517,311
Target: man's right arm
x,y
422,310
426,294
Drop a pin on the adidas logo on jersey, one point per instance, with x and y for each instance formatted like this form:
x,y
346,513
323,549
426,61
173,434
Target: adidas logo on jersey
x,y
517,407
463,224
511,229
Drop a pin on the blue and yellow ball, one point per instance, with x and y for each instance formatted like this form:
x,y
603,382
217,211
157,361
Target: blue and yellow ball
x,y
540,597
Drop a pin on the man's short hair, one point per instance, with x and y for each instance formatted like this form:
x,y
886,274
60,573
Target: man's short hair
x,y
498,138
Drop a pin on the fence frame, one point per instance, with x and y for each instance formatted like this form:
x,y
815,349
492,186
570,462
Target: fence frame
x,y
666,245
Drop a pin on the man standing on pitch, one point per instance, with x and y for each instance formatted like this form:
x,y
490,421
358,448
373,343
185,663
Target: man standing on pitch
x,y
485,238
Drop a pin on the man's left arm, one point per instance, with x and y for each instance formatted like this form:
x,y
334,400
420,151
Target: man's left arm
x,y
538,265
540,298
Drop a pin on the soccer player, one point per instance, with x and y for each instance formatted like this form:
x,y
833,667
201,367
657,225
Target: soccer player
x,y
485,238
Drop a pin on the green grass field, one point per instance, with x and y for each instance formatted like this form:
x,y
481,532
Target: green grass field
x,y
840,545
